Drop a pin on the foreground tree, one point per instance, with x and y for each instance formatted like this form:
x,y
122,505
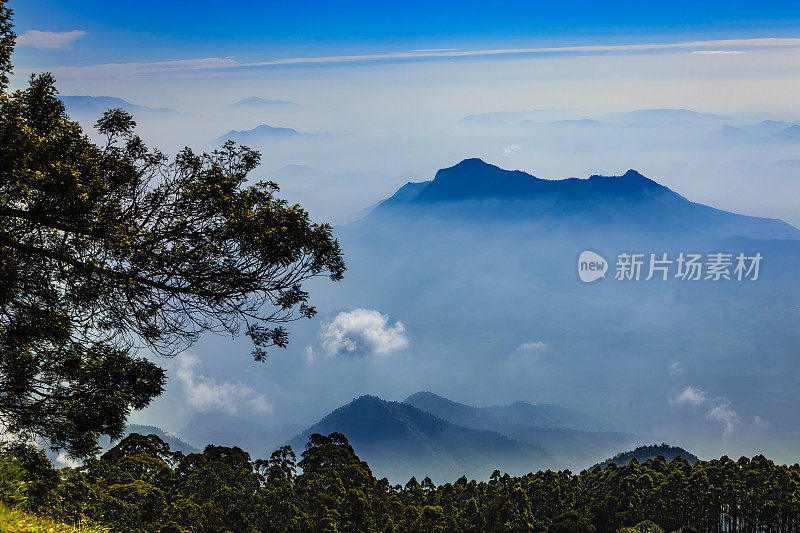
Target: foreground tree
x,y
106,249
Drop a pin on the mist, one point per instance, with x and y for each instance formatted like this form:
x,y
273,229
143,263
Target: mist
x,y
490,313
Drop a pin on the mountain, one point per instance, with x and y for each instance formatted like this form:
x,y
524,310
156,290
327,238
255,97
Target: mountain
x,y
661,116
522,413
259,134
175,443
643,453
631,201
255,103
766,127
790,134
97,105
405,194
546,115
398,441
224,429
559,430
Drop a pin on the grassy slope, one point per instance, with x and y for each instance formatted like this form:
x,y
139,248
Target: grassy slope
x,y
14,521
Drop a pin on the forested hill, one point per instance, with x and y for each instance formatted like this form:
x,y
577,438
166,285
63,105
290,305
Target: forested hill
x,y
398,441
643,453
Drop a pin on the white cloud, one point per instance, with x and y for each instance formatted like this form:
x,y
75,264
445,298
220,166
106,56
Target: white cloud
x,y
702,47
309,353
676,369
723,413
719,411
717,52
362,332
49,40
510,150
204,393
760,422
689,396
531,346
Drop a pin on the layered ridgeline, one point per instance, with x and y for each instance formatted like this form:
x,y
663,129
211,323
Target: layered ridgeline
x,y
572,438
430,435
399,441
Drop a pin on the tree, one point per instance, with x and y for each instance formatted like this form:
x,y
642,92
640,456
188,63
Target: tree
x,y
7,39
108,249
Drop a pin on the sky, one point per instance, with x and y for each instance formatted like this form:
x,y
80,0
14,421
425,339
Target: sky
x,y
160,31
386,89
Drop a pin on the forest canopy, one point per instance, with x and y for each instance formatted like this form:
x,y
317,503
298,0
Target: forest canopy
x,y
140,485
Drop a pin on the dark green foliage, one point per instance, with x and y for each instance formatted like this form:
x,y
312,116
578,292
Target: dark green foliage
x,y
643,453
7,39
140,486
41,479
105,249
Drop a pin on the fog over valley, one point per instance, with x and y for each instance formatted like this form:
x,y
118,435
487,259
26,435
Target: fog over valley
x,y
462,279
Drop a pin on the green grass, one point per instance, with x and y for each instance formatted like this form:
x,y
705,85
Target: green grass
x,y
14,520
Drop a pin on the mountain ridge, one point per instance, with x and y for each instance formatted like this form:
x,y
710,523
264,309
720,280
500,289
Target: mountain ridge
x,y
573,438
474,188
398,440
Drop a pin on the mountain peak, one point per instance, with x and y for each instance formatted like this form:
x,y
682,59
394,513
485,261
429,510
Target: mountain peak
x,y
475,180
632,174
423,394
472,162
368,399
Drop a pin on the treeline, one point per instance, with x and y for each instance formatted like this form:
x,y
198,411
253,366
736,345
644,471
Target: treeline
x,y
140,485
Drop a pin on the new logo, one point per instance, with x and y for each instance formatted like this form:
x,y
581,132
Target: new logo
x,y
591,266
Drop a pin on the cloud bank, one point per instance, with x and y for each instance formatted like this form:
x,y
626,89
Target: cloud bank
x,y
204,393
63,39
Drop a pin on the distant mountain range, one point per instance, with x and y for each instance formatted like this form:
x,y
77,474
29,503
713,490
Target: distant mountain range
x,y
430,435
96,105
225,429
256,104
643,453
517,413
175,443
260,134
398,440
476,189
663,116
572,437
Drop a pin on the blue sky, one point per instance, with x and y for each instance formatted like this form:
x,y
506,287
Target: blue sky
x,y
157,31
